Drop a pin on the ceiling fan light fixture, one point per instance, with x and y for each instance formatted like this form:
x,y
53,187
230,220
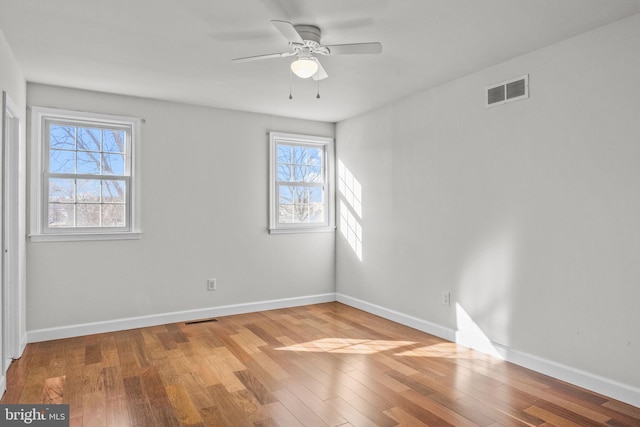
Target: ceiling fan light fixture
x,y
304,67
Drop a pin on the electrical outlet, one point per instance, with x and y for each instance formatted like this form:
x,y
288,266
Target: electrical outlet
x,y
446,298
211,285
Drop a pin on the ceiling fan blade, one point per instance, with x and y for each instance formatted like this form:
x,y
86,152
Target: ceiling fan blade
x,y
259,57
352,48
321,74
288,31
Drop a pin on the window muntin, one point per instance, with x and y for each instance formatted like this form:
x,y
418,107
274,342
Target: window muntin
x,y
87,182
301,188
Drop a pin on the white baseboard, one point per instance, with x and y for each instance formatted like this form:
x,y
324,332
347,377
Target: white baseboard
x,y
404,319
178,316
23,344
605,386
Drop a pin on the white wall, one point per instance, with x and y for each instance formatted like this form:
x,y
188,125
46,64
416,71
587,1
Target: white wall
x,y
204,214
528,213
13,83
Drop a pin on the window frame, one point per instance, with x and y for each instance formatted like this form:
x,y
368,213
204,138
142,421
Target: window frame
x,y
327,145
39,197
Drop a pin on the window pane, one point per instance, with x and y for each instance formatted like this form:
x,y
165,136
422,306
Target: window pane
x,y
284,173
61,215
284,154
314,174
113,216
62,137
315,195
301,194
88,215
316,213
113,164
89,162
299,173
62,161
61,190
113,141
285,214
89,139
88,191
301,213
113,191
315,156
299,155
286,194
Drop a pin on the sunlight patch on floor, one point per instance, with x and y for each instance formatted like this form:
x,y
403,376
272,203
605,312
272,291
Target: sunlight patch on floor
x,y
447,350
347,345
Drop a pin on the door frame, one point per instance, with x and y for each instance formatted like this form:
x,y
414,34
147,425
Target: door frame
x,y
11,300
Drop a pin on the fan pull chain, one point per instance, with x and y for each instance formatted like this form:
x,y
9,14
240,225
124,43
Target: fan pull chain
x,y
318,95
290,84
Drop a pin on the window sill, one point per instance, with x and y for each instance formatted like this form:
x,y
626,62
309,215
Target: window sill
x,y
302,230
77,237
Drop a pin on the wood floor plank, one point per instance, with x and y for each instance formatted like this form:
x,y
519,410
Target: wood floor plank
x,y
154,388
230,410
357,417
92,354
378,381
254,386
93,378
185,410
550,417
329,415
403,418
623,408
112,382
282,416
117,412
299,409
250,407
53,390
196,389
323,364
32,391
94,410
140,411
444,412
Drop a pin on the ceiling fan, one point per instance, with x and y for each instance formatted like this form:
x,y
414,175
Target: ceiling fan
x,y
304,41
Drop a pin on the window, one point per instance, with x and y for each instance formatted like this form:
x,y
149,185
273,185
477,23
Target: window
x,y
301,183
84,183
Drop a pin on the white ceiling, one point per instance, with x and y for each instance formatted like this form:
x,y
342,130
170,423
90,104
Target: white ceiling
x,y
181,50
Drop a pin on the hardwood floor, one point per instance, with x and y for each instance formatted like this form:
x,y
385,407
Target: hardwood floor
x,y
319,365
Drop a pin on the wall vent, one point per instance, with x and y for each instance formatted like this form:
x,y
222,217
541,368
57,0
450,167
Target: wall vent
x,y
507,91
195,322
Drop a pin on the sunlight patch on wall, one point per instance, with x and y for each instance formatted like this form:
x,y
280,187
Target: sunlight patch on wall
x,y
469,334
350,208
351,229
350,188
486,288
